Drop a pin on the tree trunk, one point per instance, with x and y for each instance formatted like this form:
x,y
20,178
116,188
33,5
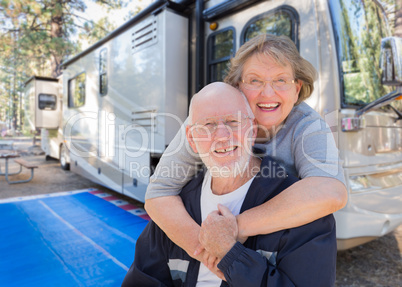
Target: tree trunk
x,y
398,18
56,34
14,85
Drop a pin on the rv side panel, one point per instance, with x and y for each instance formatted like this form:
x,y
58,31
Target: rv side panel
x,y
125,100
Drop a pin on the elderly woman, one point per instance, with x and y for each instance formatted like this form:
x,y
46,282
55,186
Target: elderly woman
x,y
275,80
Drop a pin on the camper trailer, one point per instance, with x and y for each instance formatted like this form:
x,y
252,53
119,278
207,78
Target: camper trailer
x,y
124,98
44,106
43,96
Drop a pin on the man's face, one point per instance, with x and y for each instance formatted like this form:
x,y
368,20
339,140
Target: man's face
x,y
222,132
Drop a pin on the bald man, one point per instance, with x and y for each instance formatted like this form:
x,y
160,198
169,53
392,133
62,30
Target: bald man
x,y
221,129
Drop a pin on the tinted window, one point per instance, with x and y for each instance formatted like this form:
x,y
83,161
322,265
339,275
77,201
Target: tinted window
x,y
359,28
221,48
103,72
281,21
76,91
47,102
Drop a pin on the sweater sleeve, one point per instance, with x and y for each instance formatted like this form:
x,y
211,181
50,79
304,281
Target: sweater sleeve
x,y
306,257
245,267
176,167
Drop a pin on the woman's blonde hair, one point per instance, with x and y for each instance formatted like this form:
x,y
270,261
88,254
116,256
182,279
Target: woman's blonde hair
x,y
283,51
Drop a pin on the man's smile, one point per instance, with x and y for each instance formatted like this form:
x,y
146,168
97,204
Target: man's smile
x,y
226,150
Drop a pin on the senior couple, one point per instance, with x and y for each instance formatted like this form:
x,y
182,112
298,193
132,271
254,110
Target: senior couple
x,y
246,226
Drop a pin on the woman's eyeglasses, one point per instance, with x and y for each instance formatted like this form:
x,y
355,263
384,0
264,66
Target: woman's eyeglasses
x,y
278,84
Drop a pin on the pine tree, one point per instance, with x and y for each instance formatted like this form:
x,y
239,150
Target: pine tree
x,y
35,38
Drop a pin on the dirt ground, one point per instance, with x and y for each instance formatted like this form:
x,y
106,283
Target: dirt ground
x,y
377,263
48,178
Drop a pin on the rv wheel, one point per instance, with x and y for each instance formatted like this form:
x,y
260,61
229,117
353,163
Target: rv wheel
x,y
63,158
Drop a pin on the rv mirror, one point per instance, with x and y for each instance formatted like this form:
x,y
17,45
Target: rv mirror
x,y
391,61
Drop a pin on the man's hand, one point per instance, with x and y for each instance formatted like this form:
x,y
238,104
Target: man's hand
x,y
219,232
212,263
208,260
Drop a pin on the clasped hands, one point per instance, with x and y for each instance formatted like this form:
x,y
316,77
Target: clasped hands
x,y
218,234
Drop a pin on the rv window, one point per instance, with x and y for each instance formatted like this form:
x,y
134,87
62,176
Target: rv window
x,y
47,102
281,21
221,46
103,72
76,91
359,28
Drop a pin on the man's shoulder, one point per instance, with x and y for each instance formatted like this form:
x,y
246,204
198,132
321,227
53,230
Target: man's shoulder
x,y
271,180
192,190
271,171
194,182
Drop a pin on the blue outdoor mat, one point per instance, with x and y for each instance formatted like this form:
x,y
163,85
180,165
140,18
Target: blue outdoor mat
x,y
73,239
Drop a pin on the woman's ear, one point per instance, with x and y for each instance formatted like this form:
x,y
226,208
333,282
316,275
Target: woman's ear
x,y
299,84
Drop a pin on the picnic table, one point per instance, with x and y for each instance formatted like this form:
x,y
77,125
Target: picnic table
x,y
12,154
6,144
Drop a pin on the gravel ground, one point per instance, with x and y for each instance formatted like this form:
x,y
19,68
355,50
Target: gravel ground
x,y
377,263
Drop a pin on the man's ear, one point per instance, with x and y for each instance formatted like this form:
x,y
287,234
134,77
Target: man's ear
x,y
190,138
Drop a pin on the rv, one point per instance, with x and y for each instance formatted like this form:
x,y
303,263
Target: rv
x,y
119,103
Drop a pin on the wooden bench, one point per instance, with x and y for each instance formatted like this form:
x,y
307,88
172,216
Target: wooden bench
x,y
25,164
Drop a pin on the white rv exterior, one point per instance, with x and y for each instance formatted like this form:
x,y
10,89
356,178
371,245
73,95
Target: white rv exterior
x,y
113,134
125,97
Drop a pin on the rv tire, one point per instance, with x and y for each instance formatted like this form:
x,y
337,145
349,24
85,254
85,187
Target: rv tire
x,y
64,164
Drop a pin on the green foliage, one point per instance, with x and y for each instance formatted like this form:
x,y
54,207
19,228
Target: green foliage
x,y
363,28
36,36
95,31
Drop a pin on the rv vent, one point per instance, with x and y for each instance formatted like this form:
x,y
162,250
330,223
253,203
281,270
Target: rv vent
x,y
147,119
145,35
